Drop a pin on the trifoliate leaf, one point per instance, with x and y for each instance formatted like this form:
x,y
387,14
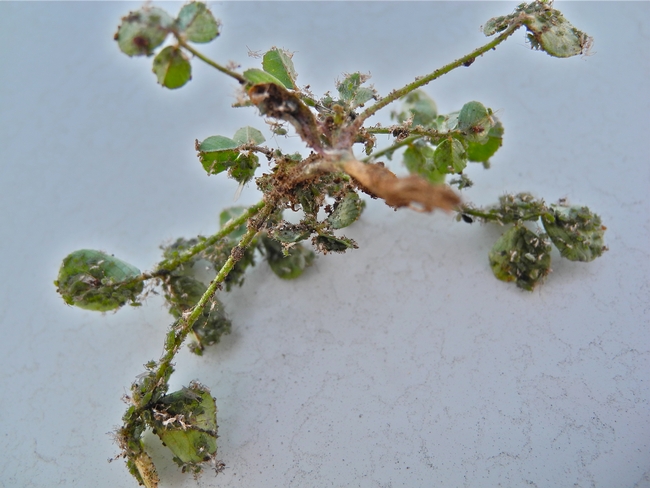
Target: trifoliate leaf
x,y
450,156
197,23
347,211
248,135
475,122
482,152
93,280
143,31
351,91
522,256
277,62
576,232
172,68
186,422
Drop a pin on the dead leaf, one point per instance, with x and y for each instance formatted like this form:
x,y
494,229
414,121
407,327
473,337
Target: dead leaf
x,y
411,191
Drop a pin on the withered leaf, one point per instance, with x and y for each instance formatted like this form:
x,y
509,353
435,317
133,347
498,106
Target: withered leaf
x,y
411,191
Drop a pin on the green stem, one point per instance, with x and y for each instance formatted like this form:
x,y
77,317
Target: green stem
x,y
391,148
495,215
169,265
214,64
421,81
183,327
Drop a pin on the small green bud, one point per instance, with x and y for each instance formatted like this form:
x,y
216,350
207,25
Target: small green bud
x,y
576,232
143,31
522,256
93,280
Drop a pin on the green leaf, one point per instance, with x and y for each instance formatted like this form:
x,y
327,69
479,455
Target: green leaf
x,y
277,62
520,207
421,107
552,33
290,265
94,280
522,256
482,152
172,68
347,211
186,422
217,153
211,325
256,77
450,156
244,167
229,214
290,233
142,31
197,23
418,159
248,135
351,91
576,232
475,122
329,243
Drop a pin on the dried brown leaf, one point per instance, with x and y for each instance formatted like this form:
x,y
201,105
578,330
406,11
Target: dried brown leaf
x,y
411,191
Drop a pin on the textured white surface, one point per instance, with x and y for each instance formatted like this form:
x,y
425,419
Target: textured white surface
x,y
404,363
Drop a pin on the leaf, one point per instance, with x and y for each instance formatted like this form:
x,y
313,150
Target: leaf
x,y
229,214
256,76
186,422
418,159
346,212
351,91
482,152
94,280
142,31
552,33
289,266
450,156
244,167
475,122
248,135
197,23
290,233
329,243
172,68
277,62
421,107
576,232
522,256
411,191
217,153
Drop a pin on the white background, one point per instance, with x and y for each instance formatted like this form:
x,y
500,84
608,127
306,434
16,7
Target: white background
x,y
403,363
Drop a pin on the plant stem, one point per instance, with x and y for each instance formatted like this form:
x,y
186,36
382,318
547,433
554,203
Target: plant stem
x,y
494,215
391,148
421,81
214,64
169,265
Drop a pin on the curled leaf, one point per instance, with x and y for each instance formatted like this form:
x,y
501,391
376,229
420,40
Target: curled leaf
x,y
277,62
522,256
411,191
347,211
576,232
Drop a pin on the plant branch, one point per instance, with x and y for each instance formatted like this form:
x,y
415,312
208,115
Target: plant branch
x,y
212,63
421,81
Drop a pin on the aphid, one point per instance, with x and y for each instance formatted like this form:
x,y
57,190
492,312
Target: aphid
x,y
466,218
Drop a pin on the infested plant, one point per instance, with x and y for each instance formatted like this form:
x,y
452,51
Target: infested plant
x,y
323,185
